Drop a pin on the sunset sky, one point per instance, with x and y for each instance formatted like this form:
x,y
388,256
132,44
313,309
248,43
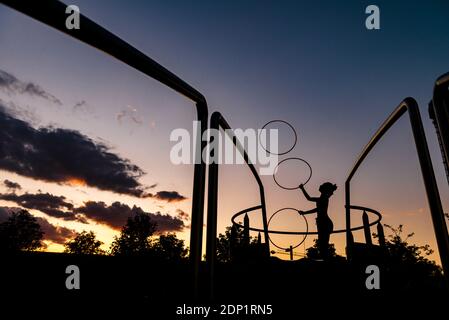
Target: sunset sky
x,y
85,138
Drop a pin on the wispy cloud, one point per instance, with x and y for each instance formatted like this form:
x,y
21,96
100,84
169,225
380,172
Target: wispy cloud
x,y
11,84
182,215
129,113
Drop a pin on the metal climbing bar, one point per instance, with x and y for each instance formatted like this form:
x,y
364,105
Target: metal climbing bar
x,y
439,113
53,13
433,196
217,121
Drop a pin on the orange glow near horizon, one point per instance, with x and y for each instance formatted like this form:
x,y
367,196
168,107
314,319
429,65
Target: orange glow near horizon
x,y
76,182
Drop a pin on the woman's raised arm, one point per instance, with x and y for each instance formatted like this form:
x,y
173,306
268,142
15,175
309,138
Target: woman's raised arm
x,y
306,195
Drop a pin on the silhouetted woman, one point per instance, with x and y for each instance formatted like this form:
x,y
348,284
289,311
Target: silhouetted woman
x,y
323,222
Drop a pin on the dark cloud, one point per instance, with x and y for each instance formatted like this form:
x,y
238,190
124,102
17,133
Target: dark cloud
x,y
24,113
11,84
6,211
53,233
55,206
169,196
117,213
56,234
114,215
12,185
64,156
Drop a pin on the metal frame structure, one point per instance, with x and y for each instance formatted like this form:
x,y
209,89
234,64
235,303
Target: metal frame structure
x,y
433,196
439,113
52,13
216,122
358,208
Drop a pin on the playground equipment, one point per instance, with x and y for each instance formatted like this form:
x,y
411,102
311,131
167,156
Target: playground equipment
x,y
52,13
436,210
439,113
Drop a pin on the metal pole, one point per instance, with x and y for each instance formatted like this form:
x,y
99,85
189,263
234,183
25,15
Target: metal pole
x,y
433,196
366,228
349,238
439,113
212,202
217,121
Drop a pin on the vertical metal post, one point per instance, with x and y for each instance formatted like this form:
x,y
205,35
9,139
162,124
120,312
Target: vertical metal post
x,y
380,234
211,232
433,195
349,237
199,180
439,113
366,228
217,121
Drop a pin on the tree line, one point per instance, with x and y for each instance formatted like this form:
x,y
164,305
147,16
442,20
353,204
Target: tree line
x,y
22,232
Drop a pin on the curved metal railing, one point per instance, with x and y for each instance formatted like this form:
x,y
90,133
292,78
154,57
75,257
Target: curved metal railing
x,y
360,208
408,105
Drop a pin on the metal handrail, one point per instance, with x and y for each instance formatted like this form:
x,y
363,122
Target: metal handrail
x,y
433,196
52,13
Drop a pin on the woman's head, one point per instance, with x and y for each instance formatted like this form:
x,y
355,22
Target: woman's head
x,y
328,188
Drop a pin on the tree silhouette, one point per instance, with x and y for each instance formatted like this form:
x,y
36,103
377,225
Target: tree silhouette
x,y
84,243
409,262
135,236
169,247
20,232
314,252
225,246
401,250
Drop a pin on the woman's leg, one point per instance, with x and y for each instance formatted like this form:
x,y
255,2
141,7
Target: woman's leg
x,y
324,232
323,244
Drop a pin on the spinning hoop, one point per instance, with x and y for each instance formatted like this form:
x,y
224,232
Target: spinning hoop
x,y
305,234
280,153
291,188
